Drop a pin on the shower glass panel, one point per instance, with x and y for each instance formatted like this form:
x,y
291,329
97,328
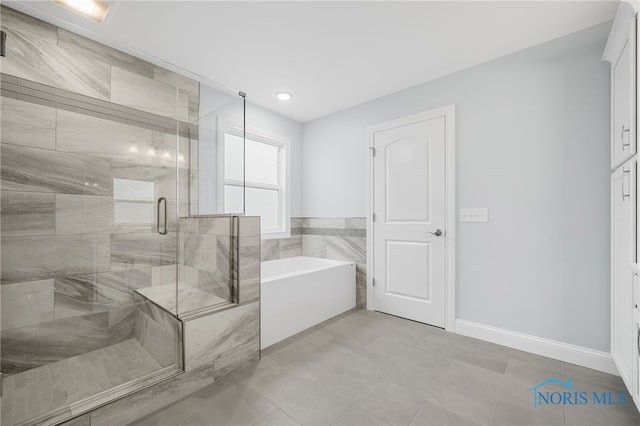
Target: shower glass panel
x,y
92,149
214,149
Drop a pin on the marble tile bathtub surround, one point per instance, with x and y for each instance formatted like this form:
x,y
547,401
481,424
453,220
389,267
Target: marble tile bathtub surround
x,y
284,247
328,238
281,248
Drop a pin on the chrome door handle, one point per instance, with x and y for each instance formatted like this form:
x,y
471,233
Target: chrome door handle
x,y
162,230
438,233
622,137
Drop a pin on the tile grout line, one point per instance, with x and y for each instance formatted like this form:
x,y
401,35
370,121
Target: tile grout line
x,y
418,412
493,409
266,415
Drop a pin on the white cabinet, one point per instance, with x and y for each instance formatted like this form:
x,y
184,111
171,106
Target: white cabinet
x,y
620,52
622,143
622,255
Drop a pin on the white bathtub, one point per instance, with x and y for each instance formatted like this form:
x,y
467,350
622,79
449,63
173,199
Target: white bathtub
x,y
300,292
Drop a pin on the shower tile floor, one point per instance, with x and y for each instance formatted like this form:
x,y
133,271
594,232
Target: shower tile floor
x,y
38,391
367,368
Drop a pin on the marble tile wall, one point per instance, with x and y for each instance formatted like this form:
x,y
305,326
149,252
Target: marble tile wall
x,y
329,238
74,116
284,247
45,54
339,239
205,243
159,332
230,338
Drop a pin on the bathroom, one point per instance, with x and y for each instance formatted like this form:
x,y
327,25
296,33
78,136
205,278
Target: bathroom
x,y
191,238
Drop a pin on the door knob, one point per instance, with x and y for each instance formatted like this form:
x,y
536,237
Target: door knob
x,y
437,233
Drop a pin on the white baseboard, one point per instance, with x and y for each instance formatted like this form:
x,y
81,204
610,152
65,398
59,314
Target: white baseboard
x,y
578,355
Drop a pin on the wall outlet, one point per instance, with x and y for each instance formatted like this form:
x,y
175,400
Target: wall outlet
x,y
474,215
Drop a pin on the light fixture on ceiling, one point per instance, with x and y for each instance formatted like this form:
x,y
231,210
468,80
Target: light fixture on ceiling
x,y
284,96
93,9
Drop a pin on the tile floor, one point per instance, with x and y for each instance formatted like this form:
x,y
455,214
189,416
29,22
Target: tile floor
x,y
366,368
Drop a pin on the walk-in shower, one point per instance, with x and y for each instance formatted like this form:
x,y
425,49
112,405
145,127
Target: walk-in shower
x,y
100,161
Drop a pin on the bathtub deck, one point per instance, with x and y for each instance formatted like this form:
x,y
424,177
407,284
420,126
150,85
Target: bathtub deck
x,y
190,299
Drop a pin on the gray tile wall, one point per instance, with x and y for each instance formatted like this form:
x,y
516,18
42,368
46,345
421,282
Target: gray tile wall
x,y
339,239
230,338
284,247
327,238
205,243
75,115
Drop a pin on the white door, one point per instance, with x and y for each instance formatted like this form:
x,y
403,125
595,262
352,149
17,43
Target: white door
x,y
409,227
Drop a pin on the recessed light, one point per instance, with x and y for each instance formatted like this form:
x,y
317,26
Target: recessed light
x,y
92,9
284,96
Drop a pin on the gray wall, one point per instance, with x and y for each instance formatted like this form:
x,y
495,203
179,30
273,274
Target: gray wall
x,y
532,146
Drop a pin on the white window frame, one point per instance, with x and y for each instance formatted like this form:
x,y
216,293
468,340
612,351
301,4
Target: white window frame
x,y
284,167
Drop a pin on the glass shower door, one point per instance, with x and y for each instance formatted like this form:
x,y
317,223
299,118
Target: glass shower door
x,y
88,176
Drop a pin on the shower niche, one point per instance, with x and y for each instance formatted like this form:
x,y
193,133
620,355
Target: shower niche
x,y
107,240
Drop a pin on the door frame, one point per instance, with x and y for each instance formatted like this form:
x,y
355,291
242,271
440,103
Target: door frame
x,y
448,112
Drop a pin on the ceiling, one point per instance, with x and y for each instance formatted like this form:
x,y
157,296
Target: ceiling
x,y
331,55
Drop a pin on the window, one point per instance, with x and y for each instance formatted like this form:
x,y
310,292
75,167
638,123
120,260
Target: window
x,y
265,175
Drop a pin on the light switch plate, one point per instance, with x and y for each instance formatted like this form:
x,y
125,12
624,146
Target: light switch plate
x,y
474,215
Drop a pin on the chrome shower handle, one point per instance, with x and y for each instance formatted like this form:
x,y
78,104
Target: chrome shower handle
x,y
162,230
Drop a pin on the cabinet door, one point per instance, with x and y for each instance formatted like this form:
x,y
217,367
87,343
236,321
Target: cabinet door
x,y
623,144
635,386
623,254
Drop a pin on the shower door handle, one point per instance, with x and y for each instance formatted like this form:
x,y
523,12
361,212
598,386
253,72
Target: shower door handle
x,y
162,229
